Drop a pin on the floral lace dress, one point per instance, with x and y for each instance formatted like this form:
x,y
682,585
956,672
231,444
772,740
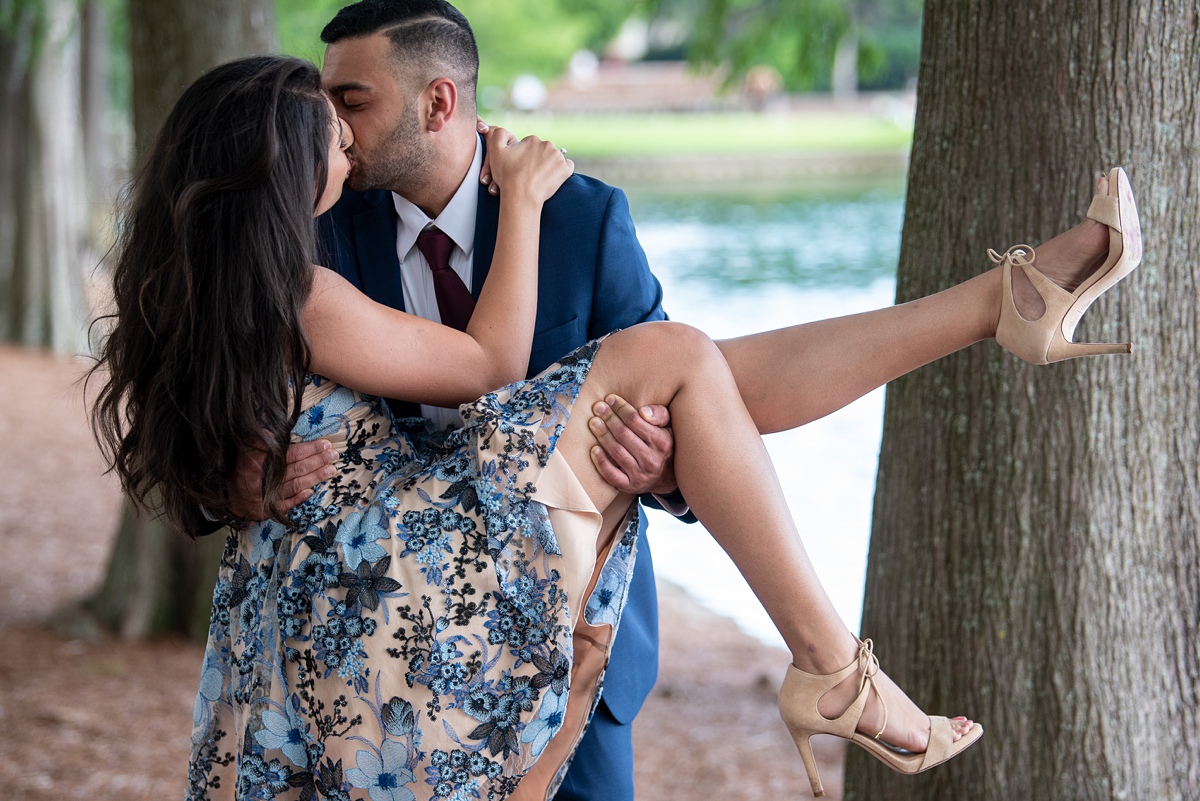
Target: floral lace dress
x,y
410,636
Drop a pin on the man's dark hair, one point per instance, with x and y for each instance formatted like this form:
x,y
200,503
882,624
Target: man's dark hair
x,y
430,33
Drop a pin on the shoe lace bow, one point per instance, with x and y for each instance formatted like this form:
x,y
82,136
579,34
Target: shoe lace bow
x,y
868,665
1017,255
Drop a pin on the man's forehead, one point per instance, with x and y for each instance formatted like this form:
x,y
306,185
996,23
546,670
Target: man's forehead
x,y
362,64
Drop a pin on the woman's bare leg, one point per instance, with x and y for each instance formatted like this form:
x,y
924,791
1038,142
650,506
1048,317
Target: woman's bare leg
x,y
795,375
725,473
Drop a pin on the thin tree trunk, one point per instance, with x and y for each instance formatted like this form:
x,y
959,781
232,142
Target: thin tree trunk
x,y
99,143
156,579
48,235
844,78
14,59
1034,559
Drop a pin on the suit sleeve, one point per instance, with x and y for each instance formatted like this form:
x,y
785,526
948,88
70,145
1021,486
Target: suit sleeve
x,y
627,293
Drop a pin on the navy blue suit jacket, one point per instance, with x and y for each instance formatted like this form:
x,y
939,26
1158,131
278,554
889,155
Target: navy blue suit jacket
x,y
593,279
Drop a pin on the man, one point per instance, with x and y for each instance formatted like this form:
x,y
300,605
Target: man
x,y
403,74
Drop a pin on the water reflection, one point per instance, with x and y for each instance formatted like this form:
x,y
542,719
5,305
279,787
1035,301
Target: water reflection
x,y
755,242
739,261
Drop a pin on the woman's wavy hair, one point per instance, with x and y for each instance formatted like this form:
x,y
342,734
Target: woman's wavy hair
x,y
206,356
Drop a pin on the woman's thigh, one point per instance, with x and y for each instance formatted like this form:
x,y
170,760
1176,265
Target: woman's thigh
x,y
644,365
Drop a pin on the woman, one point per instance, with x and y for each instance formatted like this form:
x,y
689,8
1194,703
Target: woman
x,y
434,621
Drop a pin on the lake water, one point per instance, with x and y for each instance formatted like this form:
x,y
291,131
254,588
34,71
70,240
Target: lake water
x,y
736,262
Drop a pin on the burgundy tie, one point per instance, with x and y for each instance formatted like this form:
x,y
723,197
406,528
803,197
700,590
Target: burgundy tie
x,y
453,298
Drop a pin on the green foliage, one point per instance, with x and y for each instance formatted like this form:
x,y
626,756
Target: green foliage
x,y
800,37
602,18
890,43
523,36
300,23
21,23
797,37
14,14
894,52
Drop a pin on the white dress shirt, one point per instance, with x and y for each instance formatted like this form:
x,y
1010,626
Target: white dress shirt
x,y
457,221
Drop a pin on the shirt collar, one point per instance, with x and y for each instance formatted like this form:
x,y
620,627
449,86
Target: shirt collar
x,y
457,220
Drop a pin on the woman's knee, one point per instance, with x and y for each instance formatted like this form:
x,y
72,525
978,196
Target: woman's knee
x,y
674,342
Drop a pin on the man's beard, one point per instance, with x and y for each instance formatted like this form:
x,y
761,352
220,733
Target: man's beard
x,y
400,164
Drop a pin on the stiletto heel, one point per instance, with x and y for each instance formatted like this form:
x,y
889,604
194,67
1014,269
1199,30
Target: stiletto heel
x,y
1048,339
801,692
804,745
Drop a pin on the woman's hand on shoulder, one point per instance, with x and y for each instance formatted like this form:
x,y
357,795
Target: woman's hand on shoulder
x,y
531,168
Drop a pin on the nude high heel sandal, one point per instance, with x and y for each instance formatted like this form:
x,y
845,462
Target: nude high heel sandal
x,y
801,692
1048,339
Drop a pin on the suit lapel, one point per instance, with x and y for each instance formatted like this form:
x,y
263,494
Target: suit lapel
x,y
375,246
487,220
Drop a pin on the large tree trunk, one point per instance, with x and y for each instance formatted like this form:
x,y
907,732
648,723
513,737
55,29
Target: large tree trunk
x,y
44,231
156,580
173,42
1034,556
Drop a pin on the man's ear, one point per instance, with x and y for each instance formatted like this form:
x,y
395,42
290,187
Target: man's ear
x,y
440,102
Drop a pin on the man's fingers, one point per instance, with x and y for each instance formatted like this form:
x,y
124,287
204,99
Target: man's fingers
x,y
303,451
317,465
642,439
656,415
608,471
294,501
634,444
617,442
305,481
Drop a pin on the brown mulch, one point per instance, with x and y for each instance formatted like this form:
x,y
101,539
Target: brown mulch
x,y
85,715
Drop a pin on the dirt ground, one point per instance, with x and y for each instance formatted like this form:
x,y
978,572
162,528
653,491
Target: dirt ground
x,y
84,715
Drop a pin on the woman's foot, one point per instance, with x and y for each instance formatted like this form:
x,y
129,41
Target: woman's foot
x,y
858,703
905,726
1041,305
1067,260
888,709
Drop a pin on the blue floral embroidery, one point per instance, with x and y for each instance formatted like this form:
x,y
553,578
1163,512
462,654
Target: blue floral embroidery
x,y
409,634
325,418
358,536
384,776
547,723
280,733
264,538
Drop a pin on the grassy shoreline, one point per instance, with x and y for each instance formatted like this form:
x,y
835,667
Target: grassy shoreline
x,y
718,134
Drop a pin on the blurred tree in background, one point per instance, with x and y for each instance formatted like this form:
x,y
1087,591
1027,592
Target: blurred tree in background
x,y
43,221
156,580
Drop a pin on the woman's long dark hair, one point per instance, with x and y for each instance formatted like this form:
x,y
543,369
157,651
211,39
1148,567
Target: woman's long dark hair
x,y
207,355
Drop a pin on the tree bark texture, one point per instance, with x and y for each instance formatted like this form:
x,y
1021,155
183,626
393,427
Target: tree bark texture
x,y
174,41
44,204
156,579
1034,561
